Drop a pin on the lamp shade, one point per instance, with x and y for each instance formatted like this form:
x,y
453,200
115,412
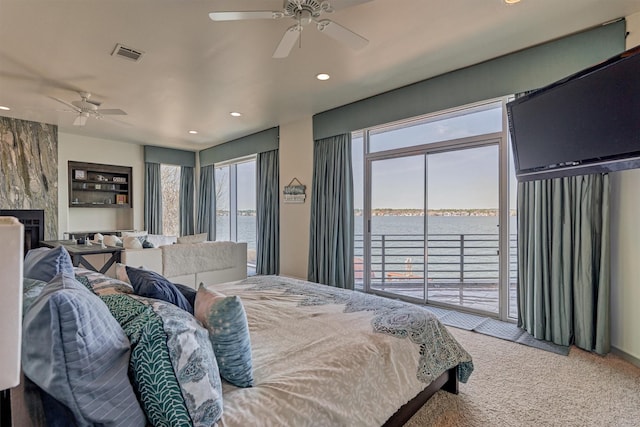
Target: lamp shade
x,y
11,258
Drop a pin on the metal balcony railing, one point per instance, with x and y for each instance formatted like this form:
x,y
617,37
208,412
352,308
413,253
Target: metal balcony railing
x,y
458,262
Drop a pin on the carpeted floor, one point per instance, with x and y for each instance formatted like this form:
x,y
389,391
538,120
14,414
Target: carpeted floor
x,y
517,385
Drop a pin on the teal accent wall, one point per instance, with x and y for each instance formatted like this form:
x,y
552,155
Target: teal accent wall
x,y
517,72
259,142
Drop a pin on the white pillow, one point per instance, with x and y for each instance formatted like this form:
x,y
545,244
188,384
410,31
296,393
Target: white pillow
x,y
121,273
161,240
131,242
193,238
134,233
111,240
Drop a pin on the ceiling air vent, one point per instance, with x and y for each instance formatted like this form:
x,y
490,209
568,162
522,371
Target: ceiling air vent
x,y
127,53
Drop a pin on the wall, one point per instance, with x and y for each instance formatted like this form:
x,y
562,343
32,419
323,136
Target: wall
x,y
95,150
625,246
296,161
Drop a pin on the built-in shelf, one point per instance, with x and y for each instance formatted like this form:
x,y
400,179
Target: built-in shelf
x,y
93,185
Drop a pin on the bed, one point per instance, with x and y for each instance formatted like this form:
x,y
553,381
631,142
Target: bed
x,y
321,356
328,357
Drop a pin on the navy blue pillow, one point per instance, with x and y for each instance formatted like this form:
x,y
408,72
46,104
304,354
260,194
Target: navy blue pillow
x,y
150,284
188,292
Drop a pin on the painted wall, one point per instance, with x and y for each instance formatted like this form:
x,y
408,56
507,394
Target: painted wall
x,y
625,245
95,150
296,161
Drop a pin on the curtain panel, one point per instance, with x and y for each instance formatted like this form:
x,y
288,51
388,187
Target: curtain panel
x,y
152,198
332,224
207,202
268,213
186,200
563,260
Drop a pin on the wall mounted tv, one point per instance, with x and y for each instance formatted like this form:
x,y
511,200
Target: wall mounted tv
x,y
586,123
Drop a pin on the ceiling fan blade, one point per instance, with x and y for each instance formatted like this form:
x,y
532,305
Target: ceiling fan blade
x,y
342,34
238,15
288,41
111,111
68,104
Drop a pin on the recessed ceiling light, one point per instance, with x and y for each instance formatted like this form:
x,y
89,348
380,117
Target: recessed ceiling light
x,y
323,76
235,114
193,132
2,107
511,1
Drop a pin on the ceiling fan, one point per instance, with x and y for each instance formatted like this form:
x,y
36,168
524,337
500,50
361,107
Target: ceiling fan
x,y
88,107
303,12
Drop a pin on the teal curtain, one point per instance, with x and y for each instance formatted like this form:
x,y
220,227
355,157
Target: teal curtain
x,y
207,202
186,200
332,224
563,260
152,198
268,213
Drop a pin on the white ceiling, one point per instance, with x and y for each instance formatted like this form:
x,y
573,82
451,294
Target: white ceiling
x,y
195,71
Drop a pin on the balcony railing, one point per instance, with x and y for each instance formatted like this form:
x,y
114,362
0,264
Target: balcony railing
x,y
461,263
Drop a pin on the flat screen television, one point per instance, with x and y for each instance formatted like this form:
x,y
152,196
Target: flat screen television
x,y
586,123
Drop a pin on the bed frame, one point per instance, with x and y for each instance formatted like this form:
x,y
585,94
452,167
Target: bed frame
x,y
448,381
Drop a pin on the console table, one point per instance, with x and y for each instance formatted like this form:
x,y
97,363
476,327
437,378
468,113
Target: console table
x,y
78,252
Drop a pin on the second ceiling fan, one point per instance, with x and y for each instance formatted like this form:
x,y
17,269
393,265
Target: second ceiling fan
x,y
303,12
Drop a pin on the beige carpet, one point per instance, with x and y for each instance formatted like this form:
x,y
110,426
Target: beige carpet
x,y
516,385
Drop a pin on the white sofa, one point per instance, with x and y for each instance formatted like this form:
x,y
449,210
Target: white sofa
x,y
193,263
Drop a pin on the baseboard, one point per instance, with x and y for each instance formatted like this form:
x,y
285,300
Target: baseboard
x,y
626,356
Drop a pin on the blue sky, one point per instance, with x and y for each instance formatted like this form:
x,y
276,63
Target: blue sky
x,y
461,179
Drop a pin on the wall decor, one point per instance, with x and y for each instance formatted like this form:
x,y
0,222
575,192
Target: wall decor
x,y
79,174
294,193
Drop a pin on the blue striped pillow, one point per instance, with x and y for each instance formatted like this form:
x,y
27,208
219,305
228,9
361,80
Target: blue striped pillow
x,y
77,353
225,319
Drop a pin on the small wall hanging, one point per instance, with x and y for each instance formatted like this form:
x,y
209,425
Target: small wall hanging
x,y
294,193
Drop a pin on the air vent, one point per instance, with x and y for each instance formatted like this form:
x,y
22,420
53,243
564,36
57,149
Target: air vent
x,y
127,53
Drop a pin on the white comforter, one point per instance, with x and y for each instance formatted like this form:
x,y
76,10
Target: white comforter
x,y
327,357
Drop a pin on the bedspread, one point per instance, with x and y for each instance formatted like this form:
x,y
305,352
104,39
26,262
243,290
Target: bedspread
x,y
324,356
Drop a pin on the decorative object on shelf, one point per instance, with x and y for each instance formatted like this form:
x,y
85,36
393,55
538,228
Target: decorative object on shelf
x,y
100,185
294,193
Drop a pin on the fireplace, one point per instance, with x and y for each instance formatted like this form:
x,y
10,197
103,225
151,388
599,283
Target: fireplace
x,y
33,221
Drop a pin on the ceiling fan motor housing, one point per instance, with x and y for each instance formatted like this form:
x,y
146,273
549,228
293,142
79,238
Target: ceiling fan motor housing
x,y
304,8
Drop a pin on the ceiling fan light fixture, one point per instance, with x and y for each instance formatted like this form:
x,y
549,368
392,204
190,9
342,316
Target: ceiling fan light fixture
x,y
81,119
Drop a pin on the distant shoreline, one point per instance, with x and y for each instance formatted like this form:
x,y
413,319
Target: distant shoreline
x,y
405,212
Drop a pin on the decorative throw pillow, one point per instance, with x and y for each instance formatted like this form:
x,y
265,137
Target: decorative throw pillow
x,y
111,240
225,319
45,263
150,284
131,242
193,238
161,240
188,292
121,273
77,352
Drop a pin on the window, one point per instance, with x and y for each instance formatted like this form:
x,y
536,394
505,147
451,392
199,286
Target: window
x,y
170,177
236,204
433,211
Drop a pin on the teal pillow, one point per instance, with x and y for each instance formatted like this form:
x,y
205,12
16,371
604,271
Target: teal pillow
x,y
75,351
45,263
225,319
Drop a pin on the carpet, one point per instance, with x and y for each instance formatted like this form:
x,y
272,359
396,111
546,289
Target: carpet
x,y
517,385
495,328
